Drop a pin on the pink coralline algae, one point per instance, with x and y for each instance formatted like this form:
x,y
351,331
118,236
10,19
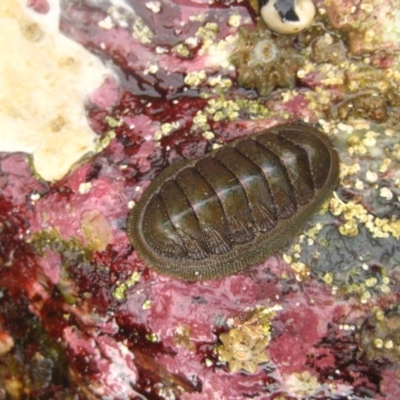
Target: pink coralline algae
x,y
40,6
81,316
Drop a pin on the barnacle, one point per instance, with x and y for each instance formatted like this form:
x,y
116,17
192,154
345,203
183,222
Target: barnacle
x,y
243,347
370,105
328,49
243,350
265,61
367,89
380,336
303,383
287,17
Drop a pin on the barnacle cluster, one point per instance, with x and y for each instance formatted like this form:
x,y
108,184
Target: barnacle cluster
x,y
243,347
366,88
354,214
370,25
366,222
265,61
380,336
243,350
303,383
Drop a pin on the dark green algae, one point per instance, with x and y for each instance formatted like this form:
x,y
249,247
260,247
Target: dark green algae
x,y
36,360
81,271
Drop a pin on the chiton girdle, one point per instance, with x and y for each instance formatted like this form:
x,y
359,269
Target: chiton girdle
x,y
236,206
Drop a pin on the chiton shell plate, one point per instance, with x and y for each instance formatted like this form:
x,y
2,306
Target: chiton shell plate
x,y
234,207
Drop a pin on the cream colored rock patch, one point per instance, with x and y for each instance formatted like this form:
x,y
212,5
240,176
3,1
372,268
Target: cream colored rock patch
x,y
44,79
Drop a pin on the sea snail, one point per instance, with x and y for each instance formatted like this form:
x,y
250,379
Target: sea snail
x,y
287,16
236,206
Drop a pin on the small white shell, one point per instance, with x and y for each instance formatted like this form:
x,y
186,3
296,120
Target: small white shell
x,y
288,16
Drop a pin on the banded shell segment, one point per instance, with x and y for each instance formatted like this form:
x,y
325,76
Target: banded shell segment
x,y
234,207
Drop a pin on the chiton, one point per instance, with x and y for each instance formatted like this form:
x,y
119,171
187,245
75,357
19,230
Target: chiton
x,y
236,206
